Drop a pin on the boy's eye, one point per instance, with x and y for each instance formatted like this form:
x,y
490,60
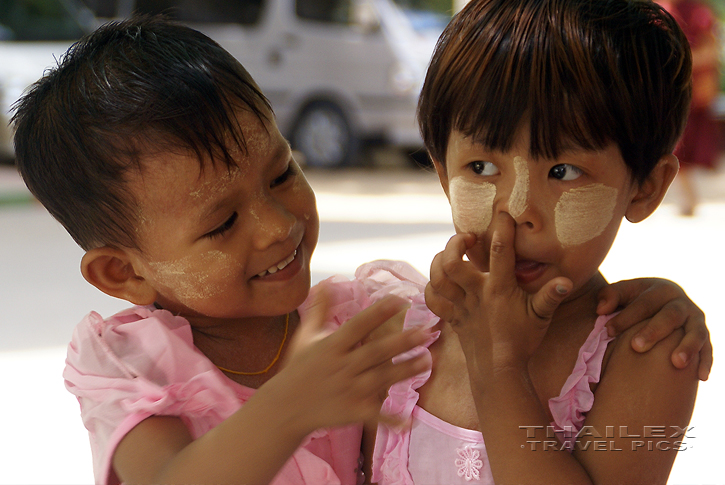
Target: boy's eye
x,y
484,168
565,172
290,172
219,231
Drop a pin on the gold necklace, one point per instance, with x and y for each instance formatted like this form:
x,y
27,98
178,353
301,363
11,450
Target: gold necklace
x,y
274,361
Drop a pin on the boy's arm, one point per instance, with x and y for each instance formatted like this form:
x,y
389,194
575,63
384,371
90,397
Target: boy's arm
x,y
664,307
332,381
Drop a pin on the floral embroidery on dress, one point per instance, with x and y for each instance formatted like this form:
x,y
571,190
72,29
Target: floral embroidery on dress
x,y
469,464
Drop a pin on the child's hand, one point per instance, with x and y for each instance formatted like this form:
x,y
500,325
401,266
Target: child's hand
x,y
340,381
493,316
667,308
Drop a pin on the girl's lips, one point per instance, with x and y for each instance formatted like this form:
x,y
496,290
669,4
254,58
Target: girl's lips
x,y
528,271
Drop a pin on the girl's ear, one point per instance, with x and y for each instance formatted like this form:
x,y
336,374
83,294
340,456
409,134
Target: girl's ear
x,y
442,176
651,192
112,271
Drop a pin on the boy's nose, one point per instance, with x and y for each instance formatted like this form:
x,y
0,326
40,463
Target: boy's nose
x,y
272,223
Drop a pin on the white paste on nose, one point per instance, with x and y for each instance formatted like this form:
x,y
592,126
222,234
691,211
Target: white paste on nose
x,y
520,193
583,213
471,204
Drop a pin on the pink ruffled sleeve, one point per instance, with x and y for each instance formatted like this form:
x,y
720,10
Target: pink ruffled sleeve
x,y
140,363
569,408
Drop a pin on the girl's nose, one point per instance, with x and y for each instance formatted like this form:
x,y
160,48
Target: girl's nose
x,y
272,223
517,201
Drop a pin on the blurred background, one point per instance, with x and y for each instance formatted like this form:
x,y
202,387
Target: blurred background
x,y
343,77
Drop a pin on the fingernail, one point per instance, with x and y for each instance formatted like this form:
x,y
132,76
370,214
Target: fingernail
x,y
683,357
640,343
562,290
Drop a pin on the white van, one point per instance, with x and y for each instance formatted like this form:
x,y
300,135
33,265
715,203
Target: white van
x,y
337,72
33,35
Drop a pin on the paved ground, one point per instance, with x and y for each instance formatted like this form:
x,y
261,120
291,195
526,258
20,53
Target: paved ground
x,y
384,212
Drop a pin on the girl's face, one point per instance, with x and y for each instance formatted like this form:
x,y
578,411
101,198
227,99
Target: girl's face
x,y
227,243
567,211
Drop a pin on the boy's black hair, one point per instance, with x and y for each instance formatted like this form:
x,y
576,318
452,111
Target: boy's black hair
x,y
580,72
131,88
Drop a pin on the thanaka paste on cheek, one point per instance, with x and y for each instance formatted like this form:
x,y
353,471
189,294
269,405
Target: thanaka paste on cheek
x,y
583,213
520,193
194,278
471,204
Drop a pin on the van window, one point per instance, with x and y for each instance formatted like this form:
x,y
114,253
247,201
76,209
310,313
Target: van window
x,y
330,11
245,12
26,20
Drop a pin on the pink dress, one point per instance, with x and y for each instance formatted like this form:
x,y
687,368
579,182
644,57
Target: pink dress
x,y
142,362
432,451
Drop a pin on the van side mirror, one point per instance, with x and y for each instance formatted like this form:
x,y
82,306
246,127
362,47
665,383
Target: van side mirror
x,y
365,16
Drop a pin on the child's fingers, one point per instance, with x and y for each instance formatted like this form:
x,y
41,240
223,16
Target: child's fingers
x,y
440,283
389,373
358,327
452,264
312,326
380,352
503,257
628,294
545,302
703,370
440,306
696,340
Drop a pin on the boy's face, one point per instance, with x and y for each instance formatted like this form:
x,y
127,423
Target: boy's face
x,y
227,243
567,211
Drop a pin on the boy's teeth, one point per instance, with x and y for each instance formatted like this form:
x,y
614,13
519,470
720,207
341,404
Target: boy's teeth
x,y
279,266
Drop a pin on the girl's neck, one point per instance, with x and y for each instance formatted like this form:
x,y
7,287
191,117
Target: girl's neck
x,y
246,345
583,302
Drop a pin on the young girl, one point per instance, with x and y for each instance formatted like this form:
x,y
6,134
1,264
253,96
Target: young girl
x,y
158,153
548,122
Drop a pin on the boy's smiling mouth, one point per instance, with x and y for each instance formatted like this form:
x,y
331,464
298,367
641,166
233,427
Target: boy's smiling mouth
x,y
279,266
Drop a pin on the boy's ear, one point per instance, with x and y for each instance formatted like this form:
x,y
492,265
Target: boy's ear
x,y
442,176
111,270
650,193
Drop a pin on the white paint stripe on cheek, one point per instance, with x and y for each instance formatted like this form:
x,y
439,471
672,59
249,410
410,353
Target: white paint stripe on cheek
x,y
471,204
583,213
520,193
193,278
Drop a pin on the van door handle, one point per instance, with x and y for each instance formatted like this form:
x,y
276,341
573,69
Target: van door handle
x,y
291,41
274,56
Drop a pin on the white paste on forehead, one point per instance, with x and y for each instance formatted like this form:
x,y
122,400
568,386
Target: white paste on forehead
x,y
520,193
583,213
471,204
194,278
213,187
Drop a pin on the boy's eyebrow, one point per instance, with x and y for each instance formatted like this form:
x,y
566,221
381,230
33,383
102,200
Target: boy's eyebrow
x,y
281,151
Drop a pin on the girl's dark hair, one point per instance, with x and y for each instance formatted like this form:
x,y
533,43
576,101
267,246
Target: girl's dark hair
x,y
135,87
580,72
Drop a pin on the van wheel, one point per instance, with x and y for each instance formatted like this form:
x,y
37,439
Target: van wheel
x,y
324,136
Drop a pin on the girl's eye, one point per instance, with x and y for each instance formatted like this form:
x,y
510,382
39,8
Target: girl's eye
x,y
289,173
565,172
484,168
219,231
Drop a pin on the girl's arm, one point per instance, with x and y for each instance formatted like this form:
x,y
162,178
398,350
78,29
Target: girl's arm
x,y
640,416
331,382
